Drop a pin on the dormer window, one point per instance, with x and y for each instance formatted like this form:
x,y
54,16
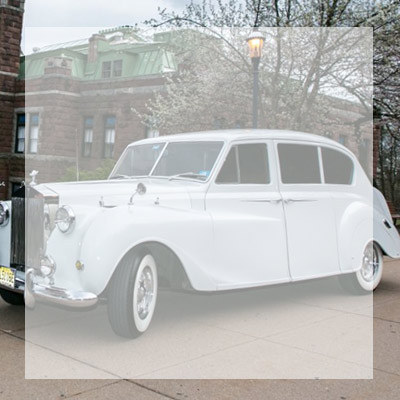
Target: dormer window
x,y
112,69
117,68
106,71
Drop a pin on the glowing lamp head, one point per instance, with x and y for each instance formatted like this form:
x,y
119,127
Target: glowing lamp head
x,y
256,42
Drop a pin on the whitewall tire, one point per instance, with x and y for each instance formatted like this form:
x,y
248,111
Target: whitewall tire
x,y
370,274
132,294
368,277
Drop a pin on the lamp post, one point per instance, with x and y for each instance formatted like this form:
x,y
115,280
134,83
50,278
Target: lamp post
x,y
255,42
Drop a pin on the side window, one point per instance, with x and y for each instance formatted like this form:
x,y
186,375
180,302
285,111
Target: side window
x,y
229,172
338,168
246,164
299,164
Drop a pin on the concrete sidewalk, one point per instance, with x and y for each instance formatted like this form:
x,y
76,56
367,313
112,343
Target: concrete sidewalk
x,y
385,385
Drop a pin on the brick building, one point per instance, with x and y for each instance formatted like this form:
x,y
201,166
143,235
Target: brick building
x,y
70,107
83,99
11,90
77,96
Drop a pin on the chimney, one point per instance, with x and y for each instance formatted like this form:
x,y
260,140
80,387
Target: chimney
x,y
94,47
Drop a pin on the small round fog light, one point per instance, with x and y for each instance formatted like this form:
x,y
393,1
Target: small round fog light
x,y
47,267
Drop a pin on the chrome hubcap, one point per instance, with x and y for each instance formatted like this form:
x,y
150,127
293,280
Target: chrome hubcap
x,y
145,292
370,265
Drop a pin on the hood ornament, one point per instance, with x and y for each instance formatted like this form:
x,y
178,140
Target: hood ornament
x,y
140,189
33,175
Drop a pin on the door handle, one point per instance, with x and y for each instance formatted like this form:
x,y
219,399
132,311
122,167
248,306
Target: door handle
x,y
287,201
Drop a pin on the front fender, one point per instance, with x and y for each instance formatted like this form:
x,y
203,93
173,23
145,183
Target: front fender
x,y
115,231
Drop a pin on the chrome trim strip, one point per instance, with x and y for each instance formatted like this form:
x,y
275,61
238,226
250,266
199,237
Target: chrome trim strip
x,y
274,201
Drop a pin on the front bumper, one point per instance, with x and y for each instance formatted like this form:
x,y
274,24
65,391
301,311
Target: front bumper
x,y
55,295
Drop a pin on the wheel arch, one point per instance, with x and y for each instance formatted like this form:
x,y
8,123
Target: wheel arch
x,y
171,271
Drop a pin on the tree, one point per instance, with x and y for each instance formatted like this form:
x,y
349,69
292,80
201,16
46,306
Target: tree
x,y
280,92
299,67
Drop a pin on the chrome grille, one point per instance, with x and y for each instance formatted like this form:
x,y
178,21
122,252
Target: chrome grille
x,y
18,233
27,236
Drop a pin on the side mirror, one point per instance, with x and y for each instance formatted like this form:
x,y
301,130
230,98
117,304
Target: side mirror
x,y
141,188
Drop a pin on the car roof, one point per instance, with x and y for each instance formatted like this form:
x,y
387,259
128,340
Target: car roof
x,y
231,135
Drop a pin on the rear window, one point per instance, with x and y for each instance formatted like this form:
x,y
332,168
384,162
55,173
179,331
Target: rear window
x,y
338,167
299,164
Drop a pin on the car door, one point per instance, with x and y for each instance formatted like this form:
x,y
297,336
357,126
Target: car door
x,y
352,199
248,220
310,219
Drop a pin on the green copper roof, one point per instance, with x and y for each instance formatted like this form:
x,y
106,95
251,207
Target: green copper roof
x,y
116,47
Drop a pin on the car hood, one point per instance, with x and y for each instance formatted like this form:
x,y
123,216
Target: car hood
x,y
174,193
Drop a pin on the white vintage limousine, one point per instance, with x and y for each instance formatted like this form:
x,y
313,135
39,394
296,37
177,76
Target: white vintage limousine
x,y
207,211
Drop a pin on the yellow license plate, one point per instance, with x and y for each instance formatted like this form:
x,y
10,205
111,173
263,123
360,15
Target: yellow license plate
x,y
7,277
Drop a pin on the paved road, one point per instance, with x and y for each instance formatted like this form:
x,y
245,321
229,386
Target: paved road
x,y
245,333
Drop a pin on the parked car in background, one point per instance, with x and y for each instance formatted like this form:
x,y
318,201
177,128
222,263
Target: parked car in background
x,y
208,211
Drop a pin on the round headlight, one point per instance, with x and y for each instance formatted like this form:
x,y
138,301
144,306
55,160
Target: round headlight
x,y
4,214
65,219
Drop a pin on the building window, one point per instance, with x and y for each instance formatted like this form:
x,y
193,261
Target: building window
x,y
33,133
20,135
111,68
117,68
365,154
106,71
109,137
219,123
342,140
27,135
15,186
87,137
239,124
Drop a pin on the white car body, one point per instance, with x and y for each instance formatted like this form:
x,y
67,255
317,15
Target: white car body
x,y
225,236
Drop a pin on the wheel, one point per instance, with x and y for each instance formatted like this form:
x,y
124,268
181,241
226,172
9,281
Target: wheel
x,y
15,299
368,277
132,294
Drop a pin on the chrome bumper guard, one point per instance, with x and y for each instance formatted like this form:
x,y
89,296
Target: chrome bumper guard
x,y
54,295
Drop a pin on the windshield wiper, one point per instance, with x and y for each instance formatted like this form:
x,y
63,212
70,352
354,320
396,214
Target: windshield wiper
x,y
120,176
188,175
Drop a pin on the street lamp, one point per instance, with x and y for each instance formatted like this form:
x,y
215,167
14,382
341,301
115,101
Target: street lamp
x,y
255,42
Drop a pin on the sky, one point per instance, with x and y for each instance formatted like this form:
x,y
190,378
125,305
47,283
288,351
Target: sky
x,y
57,21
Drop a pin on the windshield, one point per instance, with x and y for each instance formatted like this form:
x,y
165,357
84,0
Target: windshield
x,y
185,160
138,160
193,160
